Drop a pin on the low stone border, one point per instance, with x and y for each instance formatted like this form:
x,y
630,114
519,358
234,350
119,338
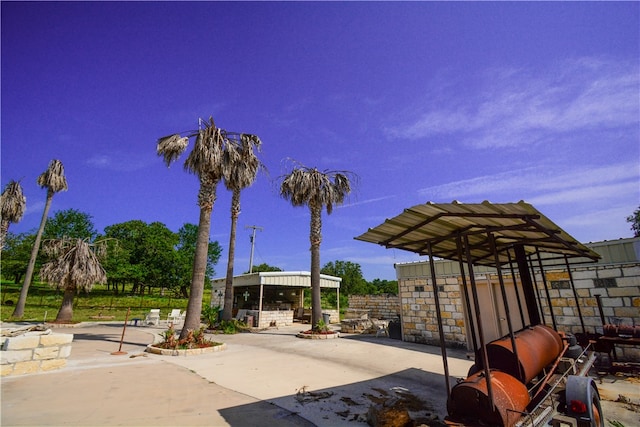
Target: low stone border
x,y
34,351
318,336
188,352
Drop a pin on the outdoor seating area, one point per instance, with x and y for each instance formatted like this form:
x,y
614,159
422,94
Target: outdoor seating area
x,y
153,317
176,316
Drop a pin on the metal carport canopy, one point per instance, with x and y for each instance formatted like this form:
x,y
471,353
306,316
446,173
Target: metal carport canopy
x,y
441,225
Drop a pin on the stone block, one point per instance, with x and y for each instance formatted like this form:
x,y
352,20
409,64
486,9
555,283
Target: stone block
x,y
633,271
559,302
623,282
624,292
612,302
583,284
15,356
50,365
609,273
21,343
631,312
6,370
635,302
29,367
55,339
45,353
583,274
566,293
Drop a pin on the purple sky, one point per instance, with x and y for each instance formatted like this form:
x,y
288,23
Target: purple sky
x,y
425,101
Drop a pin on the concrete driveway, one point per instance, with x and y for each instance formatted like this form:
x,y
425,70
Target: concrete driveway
x,y
266,378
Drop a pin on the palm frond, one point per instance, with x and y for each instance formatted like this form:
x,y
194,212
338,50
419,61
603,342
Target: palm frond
x,y
309,186
75,264
241,164
171,147
207,154
53,178
12,202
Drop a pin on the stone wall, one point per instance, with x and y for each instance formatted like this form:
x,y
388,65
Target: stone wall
x,y
619,289
617,285
384,306
419,318
34,352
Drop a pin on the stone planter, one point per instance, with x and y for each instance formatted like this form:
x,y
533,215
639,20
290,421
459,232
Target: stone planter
x,y
189,352
318,336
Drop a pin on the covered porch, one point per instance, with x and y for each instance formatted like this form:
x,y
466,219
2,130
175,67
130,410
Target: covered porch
x,y
274,298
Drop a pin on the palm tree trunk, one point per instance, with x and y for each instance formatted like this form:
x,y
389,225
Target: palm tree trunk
x,y
227,312
4,230
315,237
206,200
18,312
65,314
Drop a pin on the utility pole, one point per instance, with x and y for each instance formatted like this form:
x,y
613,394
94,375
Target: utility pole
x,y
253,243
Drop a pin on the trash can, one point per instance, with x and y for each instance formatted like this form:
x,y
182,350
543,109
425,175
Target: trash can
x,y
395,329
326,318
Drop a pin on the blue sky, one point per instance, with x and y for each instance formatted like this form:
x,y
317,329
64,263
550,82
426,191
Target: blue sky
x,y
424,101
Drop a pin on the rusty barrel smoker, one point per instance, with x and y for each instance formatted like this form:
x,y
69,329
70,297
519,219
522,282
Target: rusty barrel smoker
x,y
537,347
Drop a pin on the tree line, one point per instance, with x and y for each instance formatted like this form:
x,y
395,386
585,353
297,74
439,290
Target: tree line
x,y
143,256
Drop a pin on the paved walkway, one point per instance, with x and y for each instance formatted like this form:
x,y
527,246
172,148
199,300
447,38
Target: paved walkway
x,y
268,378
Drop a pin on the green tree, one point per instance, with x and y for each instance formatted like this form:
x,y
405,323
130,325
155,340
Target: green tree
x,y
75,267
351,273
15,256
146,255
385,286
309,187
12,206
263,267
187,238
240,172
635,222
124,263
54,181
207,161
159,257
70,223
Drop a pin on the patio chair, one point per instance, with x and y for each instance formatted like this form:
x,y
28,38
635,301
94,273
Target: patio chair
x,y
153,317
175,316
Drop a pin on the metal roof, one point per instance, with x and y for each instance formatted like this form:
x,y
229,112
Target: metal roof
x,y
299,279
441,224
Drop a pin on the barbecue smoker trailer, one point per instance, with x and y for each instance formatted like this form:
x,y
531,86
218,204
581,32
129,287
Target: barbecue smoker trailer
x,y
533,376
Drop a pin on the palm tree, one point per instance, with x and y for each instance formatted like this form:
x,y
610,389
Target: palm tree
x,y
54,181
240,172
307,186
208,161
75,267
12,204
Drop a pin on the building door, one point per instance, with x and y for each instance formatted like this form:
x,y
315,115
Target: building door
x,y
492,309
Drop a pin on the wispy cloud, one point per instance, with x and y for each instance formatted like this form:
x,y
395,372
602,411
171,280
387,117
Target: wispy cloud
x,y
514,107
120,162
542,186
365,202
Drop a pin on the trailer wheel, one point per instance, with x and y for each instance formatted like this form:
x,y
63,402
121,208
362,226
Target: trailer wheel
x,y
583,400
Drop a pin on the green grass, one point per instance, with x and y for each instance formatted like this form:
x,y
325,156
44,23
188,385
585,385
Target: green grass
x,y
43,300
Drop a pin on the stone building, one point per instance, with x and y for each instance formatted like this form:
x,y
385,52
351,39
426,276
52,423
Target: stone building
x,y
271,298
614,280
